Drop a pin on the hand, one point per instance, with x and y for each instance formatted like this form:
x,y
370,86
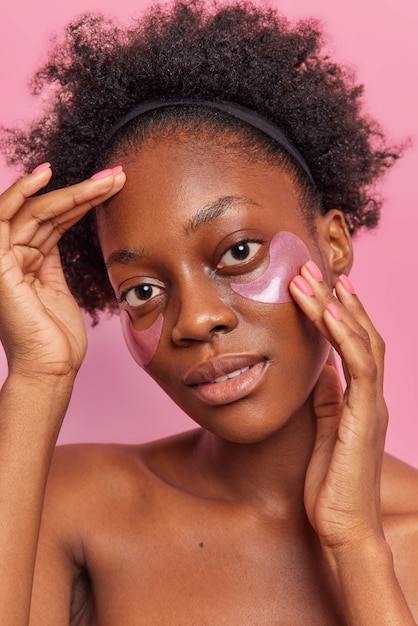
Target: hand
x,y
41,326
342,486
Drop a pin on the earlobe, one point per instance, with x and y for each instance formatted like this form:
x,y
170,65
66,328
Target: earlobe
x,y
336,244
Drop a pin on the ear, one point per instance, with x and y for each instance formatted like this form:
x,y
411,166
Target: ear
x,y
335,244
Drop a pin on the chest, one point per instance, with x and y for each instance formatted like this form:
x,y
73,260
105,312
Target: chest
x,y
205,570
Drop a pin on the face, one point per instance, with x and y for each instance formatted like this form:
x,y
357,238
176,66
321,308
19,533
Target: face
x,y
193,243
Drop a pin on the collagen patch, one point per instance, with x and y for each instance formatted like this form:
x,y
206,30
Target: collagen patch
x,y
287,255
142,344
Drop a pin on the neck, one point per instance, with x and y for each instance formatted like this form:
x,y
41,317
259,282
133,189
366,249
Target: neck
x,y
267,475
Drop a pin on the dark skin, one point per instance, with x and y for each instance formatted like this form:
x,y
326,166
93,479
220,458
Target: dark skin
x,y
269,513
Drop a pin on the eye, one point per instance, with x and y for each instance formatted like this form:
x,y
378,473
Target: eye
x,y
140,294
240,253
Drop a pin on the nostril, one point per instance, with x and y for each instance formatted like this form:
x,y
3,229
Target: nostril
x,y
220,329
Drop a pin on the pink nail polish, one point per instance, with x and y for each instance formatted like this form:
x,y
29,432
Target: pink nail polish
x,y
314,270
302,285
42,167
117,170
346,283
331,308
101,174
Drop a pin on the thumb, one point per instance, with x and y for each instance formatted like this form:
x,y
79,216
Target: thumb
x,y
327,403
327,396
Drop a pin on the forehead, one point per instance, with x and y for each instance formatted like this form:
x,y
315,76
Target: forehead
x,y
172,178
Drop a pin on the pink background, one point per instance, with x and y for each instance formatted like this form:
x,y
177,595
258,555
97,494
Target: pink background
x,y
113,399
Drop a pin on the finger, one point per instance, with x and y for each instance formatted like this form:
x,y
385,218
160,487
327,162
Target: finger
x,y
355,315
310,283
350,306
345,291
58,210
322,291
367,416
313,295
51,272
16,195
339,324
49,233
13,198
327,403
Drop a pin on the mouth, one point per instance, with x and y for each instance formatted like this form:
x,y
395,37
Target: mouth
x,y
234,374
226,379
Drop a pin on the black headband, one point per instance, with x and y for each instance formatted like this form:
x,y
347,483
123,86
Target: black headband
x,y
242,113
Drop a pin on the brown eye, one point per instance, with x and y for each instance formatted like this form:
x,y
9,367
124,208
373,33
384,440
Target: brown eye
x,y
140,294
240,253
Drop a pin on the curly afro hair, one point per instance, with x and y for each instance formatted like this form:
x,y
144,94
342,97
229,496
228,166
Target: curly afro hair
x,y
235,52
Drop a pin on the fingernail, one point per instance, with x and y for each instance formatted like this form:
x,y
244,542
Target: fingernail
x,y
41,167
346,283
314,270
330,364
302,285
117,170
101,174
331,308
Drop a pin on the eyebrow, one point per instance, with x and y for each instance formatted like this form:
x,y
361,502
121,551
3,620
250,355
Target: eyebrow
x,y
216,209
126,256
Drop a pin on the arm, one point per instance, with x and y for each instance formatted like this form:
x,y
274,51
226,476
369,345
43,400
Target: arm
x,y
342,487
43,335
31,412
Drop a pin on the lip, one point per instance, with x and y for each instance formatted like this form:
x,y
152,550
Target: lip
x,y
203,378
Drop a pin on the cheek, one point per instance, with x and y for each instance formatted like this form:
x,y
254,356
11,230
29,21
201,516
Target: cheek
x,y
142,344
287,255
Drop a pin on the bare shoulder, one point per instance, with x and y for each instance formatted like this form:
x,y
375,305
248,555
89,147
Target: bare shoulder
x,y
78,498
98,471
93,492
84,482
93,488
79,469
399,490
400,522
93,476
89,460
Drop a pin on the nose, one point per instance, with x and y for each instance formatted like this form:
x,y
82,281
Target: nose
x,y
202,313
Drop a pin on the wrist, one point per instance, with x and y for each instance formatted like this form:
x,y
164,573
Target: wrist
x,y
366,583
49,383
373,550
33,407
38,371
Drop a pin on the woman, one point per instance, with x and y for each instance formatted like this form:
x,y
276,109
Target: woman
x,y
223,240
